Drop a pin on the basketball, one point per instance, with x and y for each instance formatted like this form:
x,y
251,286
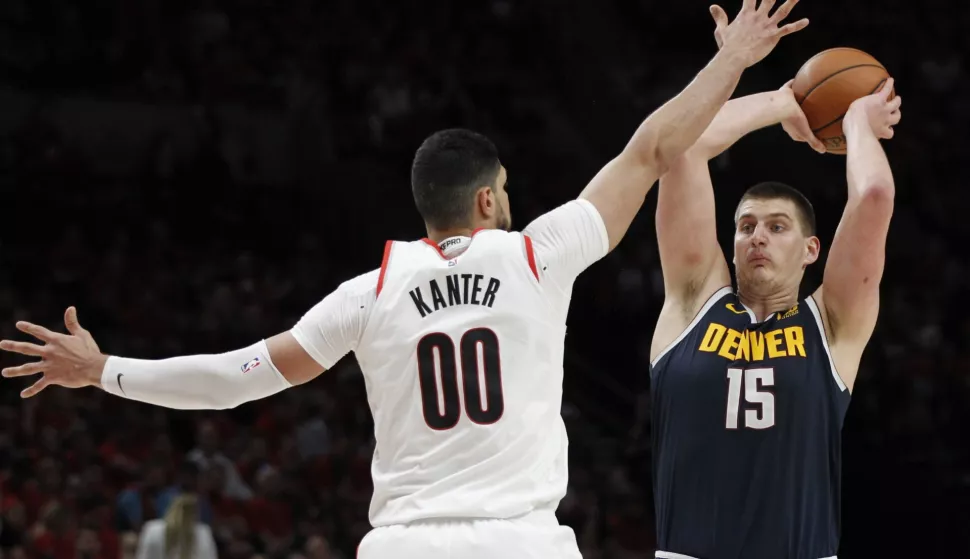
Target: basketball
x,y
828,83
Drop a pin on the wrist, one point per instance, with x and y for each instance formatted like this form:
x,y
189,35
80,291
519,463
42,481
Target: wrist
x,y
732,59
855,123
784,106
97,370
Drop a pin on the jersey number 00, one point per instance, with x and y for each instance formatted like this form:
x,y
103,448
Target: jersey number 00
x,y
444,415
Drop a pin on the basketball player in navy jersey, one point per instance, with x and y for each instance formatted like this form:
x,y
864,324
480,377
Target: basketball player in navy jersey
x,y
749,386
459,335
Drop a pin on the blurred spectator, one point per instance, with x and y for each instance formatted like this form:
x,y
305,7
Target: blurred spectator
x,y
179,535
208,455
144,500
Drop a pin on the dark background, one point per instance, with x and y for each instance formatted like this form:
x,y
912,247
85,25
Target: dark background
x,y
194,175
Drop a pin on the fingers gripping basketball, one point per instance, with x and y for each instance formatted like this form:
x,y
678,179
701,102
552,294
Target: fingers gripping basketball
x,y
828,83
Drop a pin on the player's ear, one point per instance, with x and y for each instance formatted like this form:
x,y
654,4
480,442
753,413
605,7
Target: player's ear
x,y
813,248
486,202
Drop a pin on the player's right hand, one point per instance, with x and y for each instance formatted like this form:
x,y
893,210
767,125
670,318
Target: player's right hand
x,y
796,124
70,360
879,111
755,31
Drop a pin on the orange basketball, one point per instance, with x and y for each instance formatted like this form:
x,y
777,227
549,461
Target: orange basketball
x,y
828,83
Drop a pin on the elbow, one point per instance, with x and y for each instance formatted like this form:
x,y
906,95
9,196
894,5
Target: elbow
x,y
879,194
876,201
697,154
225,397
230,403
650,151
209,403
671,154
656,158
662,158
668,157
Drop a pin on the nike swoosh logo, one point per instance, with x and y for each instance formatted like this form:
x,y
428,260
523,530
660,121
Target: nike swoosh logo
x,y
730,307
119,384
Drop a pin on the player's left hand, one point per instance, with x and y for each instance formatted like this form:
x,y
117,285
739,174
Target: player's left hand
x,y
878,111
70,360
756,30
796,124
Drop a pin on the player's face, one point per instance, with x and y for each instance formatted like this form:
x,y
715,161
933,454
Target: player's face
x,y
771,250
503,214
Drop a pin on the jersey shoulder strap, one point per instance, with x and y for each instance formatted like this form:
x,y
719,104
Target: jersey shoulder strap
x,y
820,328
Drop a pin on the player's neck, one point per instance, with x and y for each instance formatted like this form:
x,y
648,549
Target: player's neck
x,y
764,304
437,235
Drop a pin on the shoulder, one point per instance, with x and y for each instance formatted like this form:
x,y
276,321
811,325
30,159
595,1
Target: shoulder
x,y
572,236
676,322
827,324
816,303
499,240
574,212
346,305
845,354
361,285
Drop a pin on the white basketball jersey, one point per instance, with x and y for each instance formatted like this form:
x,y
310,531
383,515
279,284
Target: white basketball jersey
x,y
461,346
463,362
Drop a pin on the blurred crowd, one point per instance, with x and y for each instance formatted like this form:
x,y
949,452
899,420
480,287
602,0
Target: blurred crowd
x,y
195,247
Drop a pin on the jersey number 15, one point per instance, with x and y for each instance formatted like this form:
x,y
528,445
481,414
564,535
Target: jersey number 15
x,y
754,382
442,414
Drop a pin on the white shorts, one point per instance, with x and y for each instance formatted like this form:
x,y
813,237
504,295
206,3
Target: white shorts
x,y
535,536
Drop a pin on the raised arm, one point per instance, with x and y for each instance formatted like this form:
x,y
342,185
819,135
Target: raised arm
x,y
742,116
211,381
850,286
619,189
692,261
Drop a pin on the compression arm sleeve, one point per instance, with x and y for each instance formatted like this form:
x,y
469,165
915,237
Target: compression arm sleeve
x,y
196,382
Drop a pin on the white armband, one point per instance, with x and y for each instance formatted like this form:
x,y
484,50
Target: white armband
x,y
196,382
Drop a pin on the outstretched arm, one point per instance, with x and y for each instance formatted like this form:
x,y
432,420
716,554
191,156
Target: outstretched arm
x,y
742,116
619,189
850,286
692,262
212,381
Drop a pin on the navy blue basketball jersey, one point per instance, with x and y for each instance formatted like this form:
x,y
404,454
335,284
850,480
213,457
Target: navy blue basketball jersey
x,y
747,421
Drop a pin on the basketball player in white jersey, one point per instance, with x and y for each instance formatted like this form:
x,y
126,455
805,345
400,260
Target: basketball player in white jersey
x,y
459,335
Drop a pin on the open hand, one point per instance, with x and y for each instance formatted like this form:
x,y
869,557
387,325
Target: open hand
x,y
796,125
70,360
755,31
878,111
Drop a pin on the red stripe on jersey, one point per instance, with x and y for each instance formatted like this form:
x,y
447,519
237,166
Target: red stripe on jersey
x,y
531,255
387,256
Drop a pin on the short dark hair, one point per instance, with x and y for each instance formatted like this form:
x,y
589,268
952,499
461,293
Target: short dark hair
x,y
447,170
776,190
